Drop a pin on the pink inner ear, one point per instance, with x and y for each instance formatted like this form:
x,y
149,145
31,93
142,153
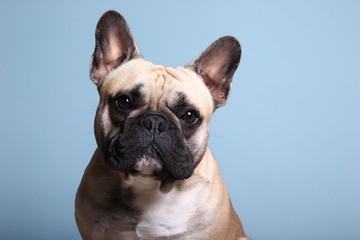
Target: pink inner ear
x,y
115,55
214,68
114,50
217,90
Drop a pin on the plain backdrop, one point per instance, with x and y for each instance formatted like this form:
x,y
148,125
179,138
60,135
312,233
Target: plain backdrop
x,y
288,140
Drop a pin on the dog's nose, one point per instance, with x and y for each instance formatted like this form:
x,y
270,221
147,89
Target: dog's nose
x,y
155,122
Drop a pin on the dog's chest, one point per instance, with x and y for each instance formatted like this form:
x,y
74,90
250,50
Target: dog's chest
x,y
166,216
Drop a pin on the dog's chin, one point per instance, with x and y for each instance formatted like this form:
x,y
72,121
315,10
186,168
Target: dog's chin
x,y
148,165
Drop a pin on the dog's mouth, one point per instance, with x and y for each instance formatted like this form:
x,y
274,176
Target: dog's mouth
x,y
149,164
150,160
145,162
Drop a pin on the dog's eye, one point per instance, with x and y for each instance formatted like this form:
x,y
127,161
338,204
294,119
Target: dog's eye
x,y
190,117
124,102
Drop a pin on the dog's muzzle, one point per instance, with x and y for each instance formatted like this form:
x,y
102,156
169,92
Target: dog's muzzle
x,y
150,144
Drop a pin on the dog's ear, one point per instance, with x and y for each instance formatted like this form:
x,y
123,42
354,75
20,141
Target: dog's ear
x,y
114,46
217,65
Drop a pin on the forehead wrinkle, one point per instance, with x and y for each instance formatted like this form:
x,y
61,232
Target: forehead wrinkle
x,y
157,88
171,84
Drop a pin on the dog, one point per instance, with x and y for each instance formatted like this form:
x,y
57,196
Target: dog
x,y
152,175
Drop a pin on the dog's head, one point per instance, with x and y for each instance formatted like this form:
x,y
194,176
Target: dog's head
x,y
154,120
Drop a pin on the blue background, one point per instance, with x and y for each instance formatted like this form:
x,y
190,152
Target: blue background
x,y
288,140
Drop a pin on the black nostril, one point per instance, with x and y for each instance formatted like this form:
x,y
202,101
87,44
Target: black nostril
x,y
162,126
147,124
155,122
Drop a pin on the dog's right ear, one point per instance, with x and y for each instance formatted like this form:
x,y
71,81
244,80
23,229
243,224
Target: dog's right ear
x,y
114,46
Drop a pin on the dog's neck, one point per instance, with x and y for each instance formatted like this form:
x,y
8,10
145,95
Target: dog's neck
x,y
144,190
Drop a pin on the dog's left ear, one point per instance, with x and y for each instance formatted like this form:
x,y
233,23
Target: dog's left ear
x,y
114,46
217,65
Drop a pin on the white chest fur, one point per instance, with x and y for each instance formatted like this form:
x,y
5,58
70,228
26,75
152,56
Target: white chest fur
x,y
168,216
165,216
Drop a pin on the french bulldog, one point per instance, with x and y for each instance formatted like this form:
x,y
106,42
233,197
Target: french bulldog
x,y
152,175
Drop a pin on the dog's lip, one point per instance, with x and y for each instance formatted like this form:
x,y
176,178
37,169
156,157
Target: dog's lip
x,y
147,165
